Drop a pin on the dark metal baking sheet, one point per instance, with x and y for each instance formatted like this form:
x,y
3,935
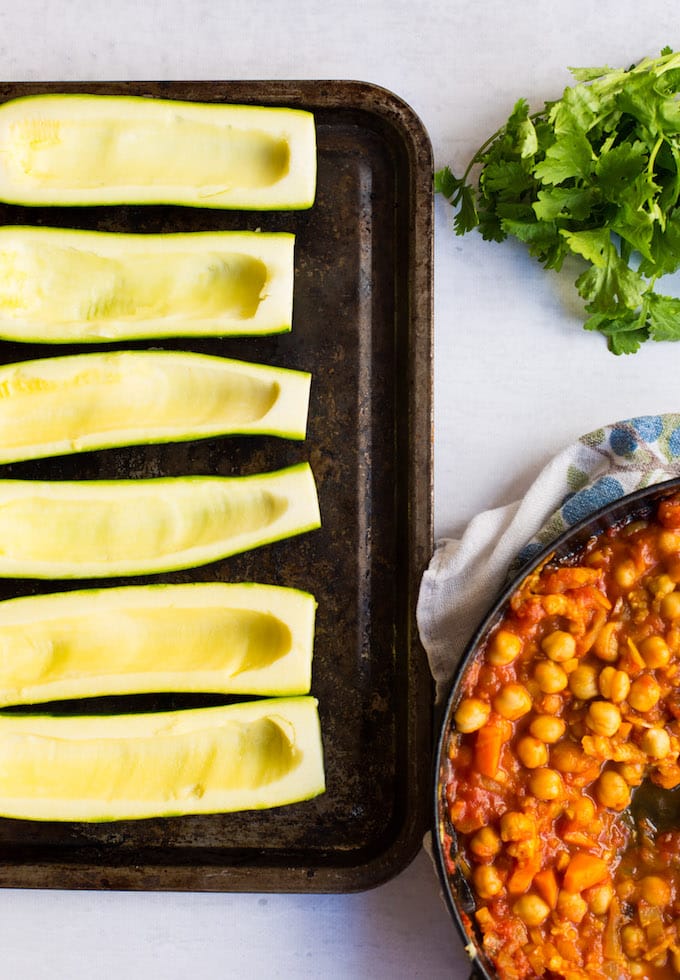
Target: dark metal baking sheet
x,y
362,326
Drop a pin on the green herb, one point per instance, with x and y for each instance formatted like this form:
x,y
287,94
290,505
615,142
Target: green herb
x,y
596,174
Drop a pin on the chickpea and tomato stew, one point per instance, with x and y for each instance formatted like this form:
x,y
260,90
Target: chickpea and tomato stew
x,y
572,704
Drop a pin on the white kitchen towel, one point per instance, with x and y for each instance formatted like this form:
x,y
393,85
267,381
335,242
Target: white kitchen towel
x,y
465,575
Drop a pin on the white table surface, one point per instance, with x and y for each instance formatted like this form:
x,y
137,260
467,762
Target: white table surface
x,y
516,378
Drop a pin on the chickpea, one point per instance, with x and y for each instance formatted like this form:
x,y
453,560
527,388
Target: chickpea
x,y
626,574
485,844
660,586
504,648
532,752
487,881
549,704
620,687
655,652
548,728
517,826
571,906
599,898
644,693
603,718
626,889
669,543
614,684
583,682
673,639
512,701
546,784
656,743
559,646
523,850
612,790
531,909
670,606
555,604
550,677
655,890
606,643
632,940
632,772
582,810
471,715
567,756
534,690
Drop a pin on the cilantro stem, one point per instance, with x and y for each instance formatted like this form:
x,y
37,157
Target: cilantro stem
x,y
652,157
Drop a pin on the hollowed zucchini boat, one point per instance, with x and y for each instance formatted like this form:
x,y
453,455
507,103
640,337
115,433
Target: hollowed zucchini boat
x,y
76,149
60,285
243,638
60,405
258,754
104,528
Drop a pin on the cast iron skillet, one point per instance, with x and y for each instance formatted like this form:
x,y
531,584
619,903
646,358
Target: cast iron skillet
x,y
634,506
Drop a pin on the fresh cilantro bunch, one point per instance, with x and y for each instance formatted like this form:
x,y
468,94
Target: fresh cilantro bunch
x,y
597,174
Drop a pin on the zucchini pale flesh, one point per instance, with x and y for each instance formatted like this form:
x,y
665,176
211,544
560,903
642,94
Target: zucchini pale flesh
x,y
105,528
87,149
243,638
60,285
60,405
263,753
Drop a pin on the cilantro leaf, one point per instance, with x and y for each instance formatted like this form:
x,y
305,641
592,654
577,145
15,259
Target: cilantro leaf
x,y
664,248
460,194
664,317
609,285
521,130
564,202
446,183
570,156
624,333
621,166
627,342
636,226
467,217
589,74
576,112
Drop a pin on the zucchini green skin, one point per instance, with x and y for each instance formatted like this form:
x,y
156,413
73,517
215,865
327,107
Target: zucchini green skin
x,y
70,285
62,405
246,756
155,151
108,528
227,638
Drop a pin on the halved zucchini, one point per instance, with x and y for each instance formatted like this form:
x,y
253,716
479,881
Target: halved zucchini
x,y
89,149
243,638
246,756
59,405
104,528
59,285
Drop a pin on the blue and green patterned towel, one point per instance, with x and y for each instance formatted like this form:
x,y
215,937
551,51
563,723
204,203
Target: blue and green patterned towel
x,y
465,575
